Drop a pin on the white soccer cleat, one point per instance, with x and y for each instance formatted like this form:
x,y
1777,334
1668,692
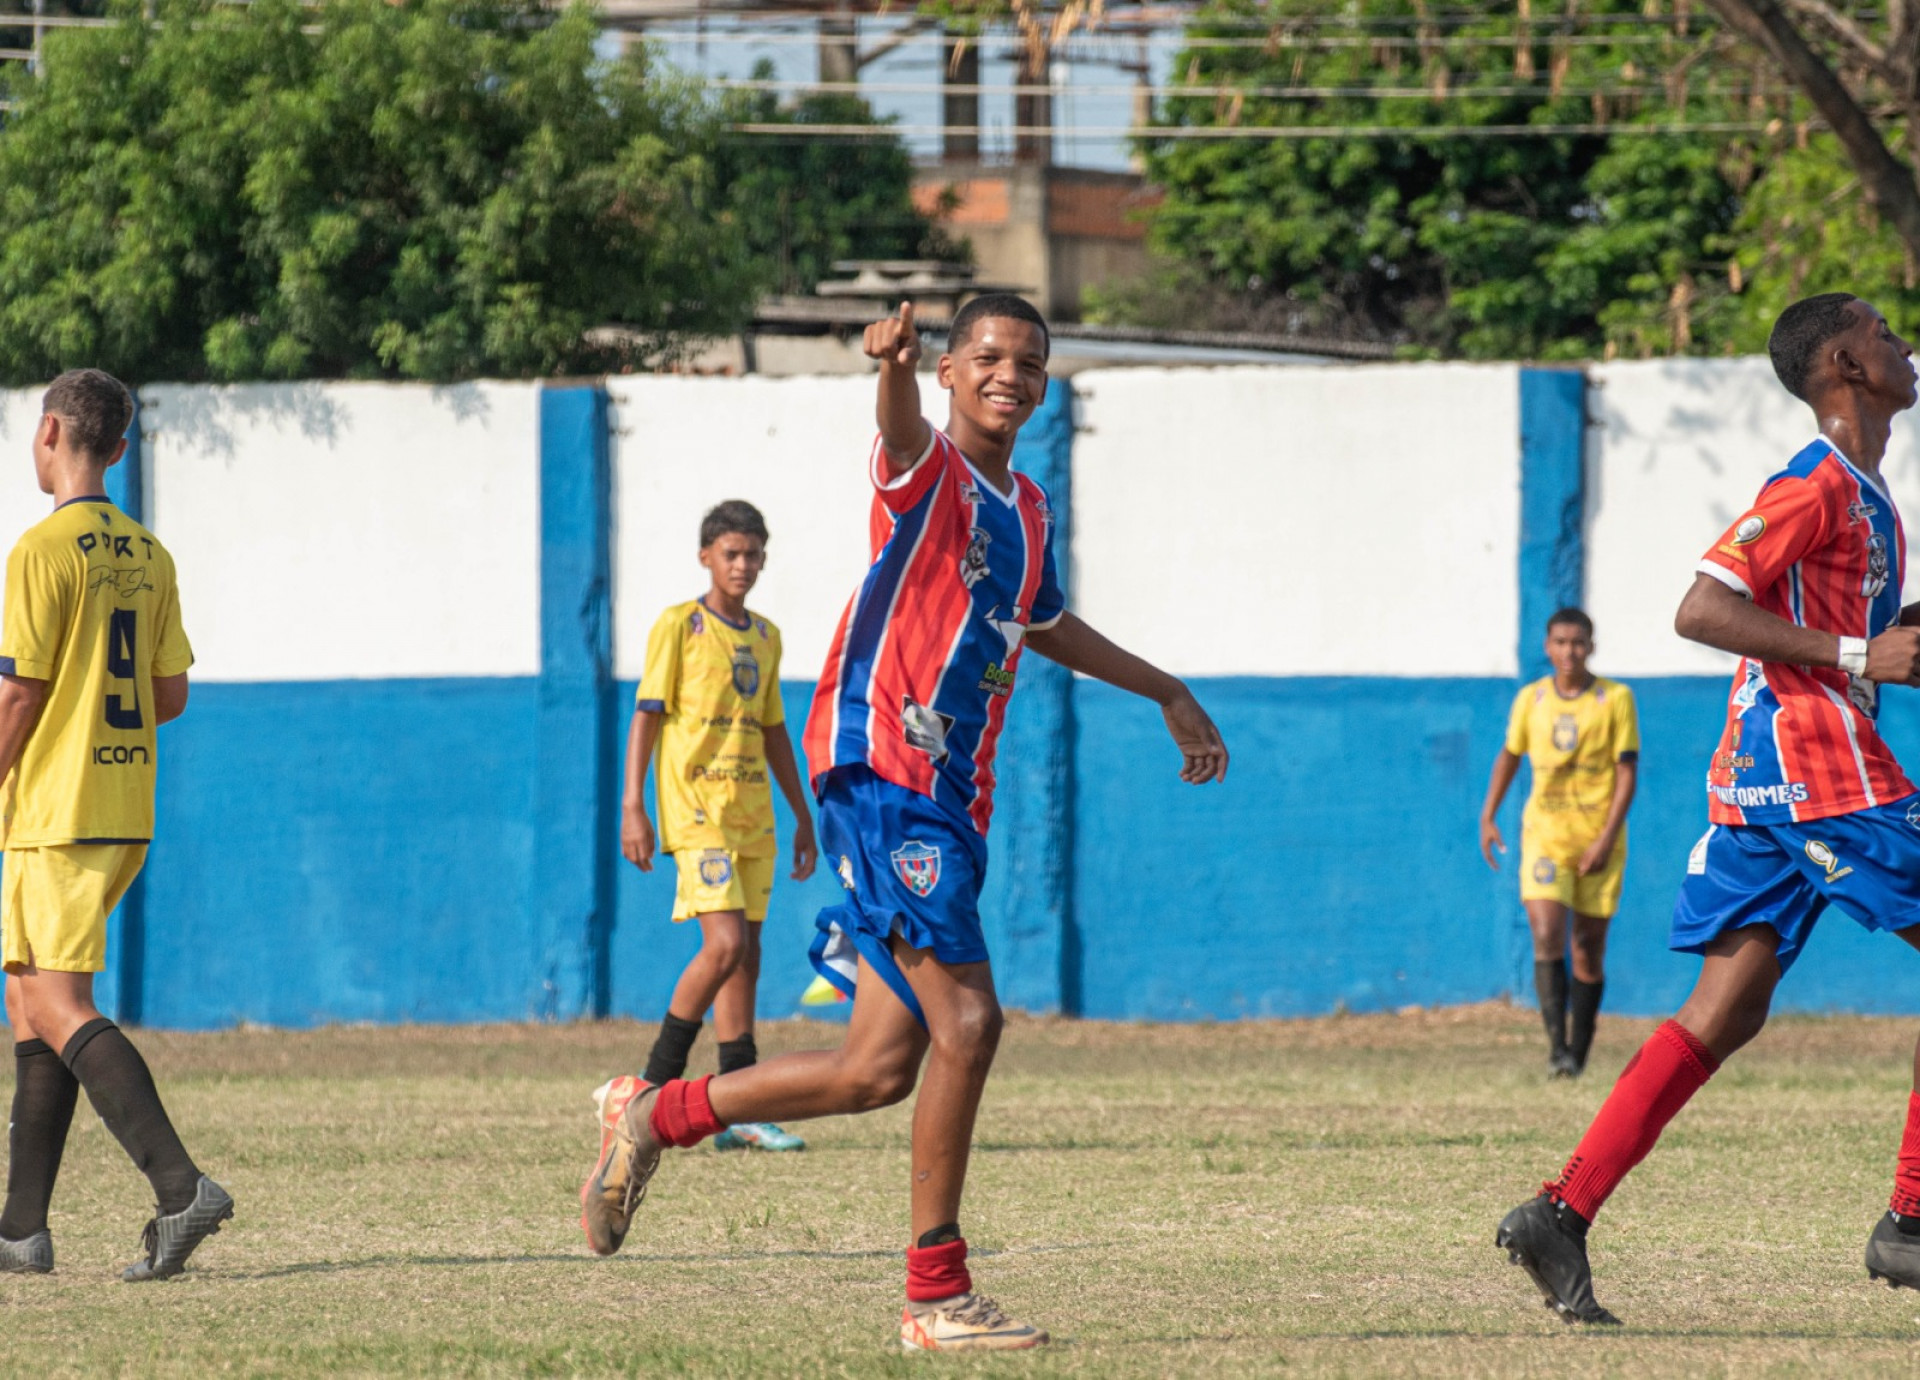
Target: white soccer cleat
x,y
965,1322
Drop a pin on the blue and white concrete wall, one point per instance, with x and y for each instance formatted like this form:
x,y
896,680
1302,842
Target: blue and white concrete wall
x,y
421,613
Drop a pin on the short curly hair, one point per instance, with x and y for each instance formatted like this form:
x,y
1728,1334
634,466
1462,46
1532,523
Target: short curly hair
x,y
735,515
1800,332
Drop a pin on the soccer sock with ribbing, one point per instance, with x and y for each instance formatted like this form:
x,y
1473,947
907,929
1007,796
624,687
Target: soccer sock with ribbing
x,y
937,1265
668,1060
1905,1205
1550,985
1670,1068
738,1054
120,1086
1583,1013
44,1094
682,1114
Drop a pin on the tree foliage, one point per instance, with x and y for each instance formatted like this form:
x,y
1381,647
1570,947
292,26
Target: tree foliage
x,y
1606,238
428,189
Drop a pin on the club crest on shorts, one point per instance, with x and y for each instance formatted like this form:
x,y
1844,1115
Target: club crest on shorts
x,y
716,868
1913,813
746,672
918,866
1544,871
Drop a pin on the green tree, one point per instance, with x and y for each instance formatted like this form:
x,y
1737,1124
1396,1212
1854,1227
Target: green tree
x,y
1458,236
430,189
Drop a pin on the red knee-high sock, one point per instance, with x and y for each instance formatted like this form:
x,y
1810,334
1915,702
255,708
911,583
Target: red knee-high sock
x,y
937,1272
1670,1068
1906,1176
681,1113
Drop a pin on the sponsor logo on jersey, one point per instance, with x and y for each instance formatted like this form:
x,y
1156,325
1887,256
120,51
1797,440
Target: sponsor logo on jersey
x,y
969,492
1877,567
924,728
716,868
109,755
1750,529
1566,733
996,680
697,621
1756,797
973,564
1858,512
1824,858
918,866
746,672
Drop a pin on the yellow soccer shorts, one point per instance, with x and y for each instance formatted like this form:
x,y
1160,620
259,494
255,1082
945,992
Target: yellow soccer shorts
x,y
54,903
714,879
1550,871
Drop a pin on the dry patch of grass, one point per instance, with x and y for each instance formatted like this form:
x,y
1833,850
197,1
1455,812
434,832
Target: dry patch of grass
x,y
1300,1198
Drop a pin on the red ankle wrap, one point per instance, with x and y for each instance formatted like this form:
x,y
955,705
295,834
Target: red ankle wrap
x,y
682,1115
1906,1176
937,1272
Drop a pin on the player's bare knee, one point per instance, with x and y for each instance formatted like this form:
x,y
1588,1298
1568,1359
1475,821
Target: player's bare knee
x,y
725,952
972,1032
874,1083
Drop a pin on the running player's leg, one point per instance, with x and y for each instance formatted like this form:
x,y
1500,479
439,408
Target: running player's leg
x,y
723,944
1547,919
1589,981
44,1095
1893,1250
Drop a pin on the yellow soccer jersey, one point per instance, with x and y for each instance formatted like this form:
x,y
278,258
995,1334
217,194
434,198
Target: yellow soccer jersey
x,y
1573,746
92,609
718,686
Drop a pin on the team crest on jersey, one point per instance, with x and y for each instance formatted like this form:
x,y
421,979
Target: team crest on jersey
x,y
925,729
746,672
697,621
1566,733
1877,567
716,868
973,565
918,866
1544,871
1824,858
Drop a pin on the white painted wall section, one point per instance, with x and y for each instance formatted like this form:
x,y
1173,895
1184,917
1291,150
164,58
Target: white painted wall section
x,y
1285,522
794,448
21,502
346,531
1678,451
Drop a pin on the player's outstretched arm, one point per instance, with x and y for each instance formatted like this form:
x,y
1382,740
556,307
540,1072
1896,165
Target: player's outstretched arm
x,y
636,830
1719,617
1504,768
21,700
780,762
896,344
1076,646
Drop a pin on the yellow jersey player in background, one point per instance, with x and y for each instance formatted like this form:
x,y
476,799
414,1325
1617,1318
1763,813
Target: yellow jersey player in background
x,y
92,659
1581,735
709,710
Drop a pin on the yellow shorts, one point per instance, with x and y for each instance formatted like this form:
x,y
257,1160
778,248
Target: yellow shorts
x,y
1550,871
54,903
713,879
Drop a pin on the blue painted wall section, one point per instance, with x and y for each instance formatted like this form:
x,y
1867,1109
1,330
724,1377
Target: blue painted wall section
x,y
1553,555
119,989
577,768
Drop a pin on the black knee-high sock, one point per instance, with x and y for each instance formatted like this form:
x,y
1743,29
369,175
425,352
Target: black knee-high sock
x,y
1550,983
44,1093
120,1086
738,1054
670,1049
1583,1009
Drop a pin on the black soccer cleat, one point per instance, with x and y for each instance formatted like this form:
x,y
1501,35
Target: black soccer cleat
x,y
1544,1239
31,1255
1893,1255
1564,1065
170,1240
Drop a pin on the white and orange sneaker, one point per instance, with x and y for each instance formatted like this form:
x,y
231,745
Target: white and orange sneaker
x,y
965,1322
628,1156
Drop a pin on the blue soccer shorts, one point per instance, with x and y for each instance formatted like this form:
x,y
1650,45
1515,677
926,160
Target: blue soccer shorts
x,y
909,867
1867,863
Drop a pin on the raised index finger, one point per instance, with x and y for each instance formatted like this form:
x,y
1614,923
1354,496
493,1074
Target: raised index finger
x,y
906,315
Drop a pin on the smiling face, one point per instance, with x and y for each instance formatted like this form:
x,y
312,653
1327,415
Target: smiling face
x,y
1885,361
734,559
997,376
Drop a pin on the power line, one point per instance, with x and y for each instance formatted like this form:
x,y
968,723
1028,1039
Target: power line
x,y
1154,133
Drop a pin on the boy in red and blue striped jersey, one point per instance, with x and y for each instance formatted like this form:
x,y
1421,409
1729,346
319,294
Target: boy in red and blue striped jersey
x,y
901,745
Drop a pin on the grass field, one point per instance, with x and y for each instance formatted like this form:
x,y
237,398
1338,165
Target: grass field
x,y
1302,1198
